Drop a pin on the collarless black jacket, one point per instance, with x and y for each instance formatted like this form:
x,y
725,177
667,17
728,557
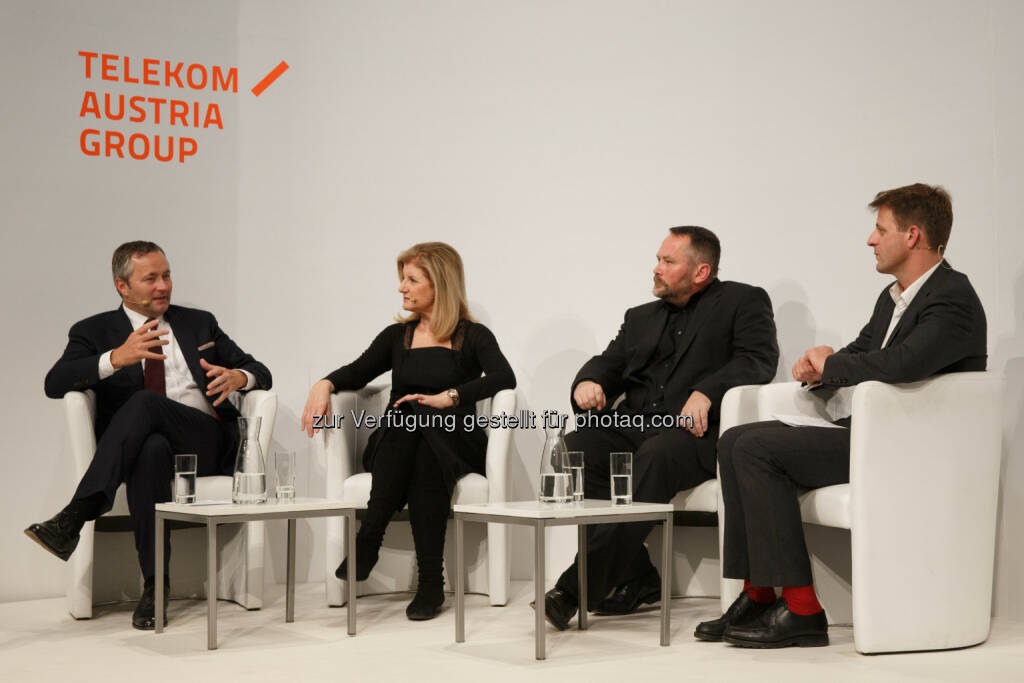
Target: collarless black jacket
x,y
730,340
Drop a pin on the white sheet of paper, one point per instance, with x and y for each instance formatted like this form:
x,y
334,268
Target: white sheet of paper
x,y
805,421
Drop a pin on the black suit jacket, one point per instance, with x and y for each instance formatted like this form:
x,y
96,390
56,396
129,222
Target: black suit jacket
x,y
943,330
729,341
78,367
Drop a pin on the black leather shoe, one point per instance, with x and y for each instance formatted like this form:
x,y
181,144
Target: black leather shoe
x,y
59,535
777,626
742,610
144,616
559,608
629,596
426,605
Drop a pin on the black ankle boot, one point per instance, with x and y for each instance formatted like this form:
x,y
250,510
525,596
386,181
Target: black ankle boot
x,y
367,553
427,603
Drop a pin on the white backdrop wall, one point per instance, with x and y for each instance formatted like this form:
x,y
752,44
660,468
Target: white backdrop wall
x,y
551,143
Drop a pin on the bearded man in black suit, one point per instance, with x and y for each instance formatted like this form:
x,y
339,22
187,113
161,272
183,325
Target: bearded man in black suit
x,y
673,358
928,322
161,374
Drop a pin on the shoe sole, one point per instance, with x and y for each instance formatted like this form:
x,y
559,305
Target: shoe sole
x,y
47,548
558,626
707,637
419,618
649,599
816,640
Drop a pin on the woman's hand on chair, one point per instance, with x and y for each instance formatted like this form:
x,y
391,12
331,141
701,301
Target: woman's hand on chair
x,y
318,403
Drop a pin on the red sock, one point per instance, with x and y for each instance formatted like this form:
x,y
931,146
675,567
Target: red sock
x,y
764,595
801,600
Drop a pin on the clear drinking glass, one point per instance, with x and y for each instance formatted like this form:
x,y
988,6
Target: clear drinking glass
x,y
284,466
574,460
621,466
185,477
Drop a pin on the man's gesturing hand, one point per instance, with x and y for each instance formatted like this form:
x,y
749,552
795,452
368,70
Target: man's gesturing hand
x,y
138,344
697,407
589,395
224,381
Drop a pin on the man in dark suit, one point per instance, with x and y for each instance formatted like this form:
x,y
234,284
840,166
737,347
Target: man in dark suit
x,y
672,358
928,322
161,374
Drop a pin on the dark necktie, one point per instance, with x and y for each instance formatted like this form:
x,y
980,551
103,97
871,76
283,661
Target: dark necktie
x,y
153,371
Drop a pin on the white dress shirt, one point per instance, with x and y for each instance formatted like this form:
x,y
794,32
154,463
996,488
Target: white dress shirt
x,y
902,298
180,384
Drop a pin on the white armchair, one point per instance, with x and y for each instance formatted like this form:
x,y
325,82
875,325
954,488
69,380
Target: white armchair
x,y
487,558
920,505
241,576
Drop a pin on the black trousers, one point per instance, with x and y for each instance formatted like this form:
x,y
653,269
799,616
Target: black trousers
x,y
763,467
405,470
664,463
137,449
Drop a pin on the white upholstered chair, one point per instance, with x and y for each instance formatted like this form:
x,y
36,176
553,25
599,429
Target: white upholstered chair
x,y
487,556
106,569
920,506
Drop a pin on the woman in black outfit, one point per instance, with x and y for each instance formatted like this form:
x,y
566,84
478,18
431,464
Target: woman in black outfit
x,y
436,356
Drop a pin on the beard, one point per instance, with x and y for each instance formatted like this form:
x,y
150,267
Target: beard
x,y
661,290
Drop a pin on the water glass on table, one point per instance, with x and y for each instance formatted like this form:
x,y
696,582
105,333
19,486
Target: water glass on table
x,y
284,466
621,466
574,461
185,477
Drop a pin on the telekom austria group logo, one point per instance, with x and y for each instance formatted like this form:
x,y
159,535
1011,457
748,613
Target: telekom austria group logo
x,y
180,111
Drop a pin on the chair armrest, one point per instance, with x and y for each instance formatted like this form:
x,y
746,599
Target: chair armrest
x,y
80,418
934,440
757,402
262,404
338,447
498,443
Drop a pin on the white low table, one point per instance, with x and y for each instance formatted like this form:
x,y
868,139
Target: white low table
x,y
542,515
213,515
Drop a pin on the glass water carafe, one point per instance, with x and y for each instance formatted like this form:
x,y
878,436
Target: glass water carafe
x,y
250,482
555,476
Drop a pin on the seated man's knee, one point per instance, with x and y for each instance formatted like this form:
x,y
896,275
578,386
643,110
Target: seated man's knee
x,y
154,456
749,451
141,402
727,441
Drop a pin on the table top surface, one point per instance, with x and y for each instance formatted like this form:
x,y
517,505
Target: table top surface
x,y
533,509
271,508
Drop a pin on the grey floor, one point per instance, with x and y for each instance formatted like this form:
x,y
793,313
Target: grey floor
x,y
39,641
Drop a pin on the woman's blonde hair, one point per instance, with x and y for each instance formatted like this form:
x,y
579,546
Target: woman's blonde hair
x,y
443,267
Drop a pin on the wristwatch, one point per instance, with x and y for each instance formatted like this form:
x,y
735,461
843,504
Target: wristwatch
x,y
453,394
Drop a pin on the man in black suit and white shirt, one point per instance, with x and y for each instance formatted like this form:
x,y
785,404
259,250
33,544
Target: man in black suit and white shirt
x,y
928,322
161,374
672,358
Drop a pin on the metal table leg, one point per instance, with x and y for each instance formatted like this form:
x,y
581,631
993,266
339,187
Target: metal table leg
x,y
211,587
159,573
289,601
460,597
581,564
666,577
350,543
538,586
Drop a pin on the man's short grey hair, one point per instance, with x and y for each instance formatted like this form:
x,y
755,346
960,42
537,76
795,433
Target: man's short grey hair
x,y
121,264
